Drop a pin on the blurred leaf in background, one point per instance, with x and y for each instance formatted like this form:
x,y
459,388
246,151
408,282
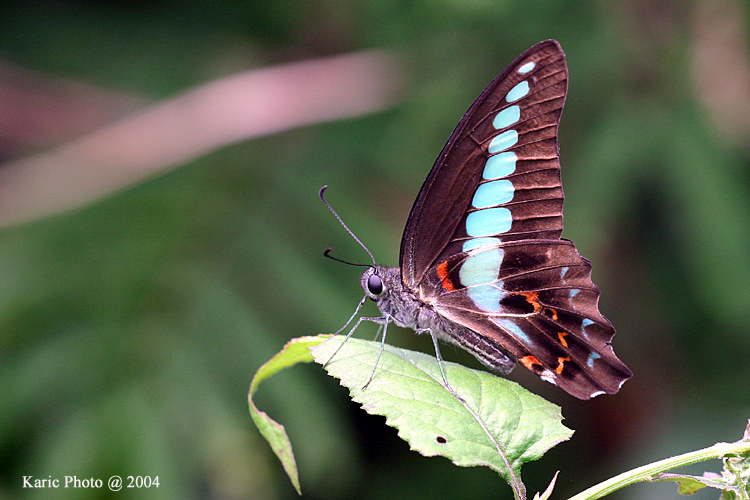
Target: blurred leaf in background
x,y
130,325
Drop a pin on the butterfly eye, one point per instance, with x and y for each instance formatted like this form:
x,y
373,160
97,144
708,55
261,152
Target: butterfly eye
x,y
375,284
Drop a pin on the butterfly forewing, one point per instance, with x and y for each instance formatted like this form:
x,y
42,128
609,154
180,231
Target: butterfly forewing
x,y
482,244
510,135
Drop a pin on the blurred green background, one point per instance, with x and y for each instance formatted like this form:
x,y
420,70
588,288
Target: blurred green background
x,y
130,328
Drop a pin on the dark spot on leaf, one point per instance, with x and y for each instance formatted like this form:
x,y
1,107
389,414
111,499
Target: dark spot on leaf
x,y
441,440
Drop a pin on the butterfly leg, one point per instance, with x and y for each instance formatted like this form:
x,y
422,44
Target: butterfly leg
x,y
348,335
351,332
356,310
383,322
440,362
377,333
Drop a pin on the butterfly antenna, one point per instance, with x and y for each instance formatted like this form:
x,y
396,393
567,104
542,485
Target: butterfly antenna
x,y
322,190
327,253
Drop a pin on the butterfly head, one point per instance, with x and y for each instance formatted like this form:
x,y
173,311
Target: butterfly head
x,y
372,283
383,286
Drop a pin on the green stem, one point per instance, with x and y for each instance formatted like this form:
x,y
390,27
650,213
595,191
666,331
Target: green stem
x,y
648,472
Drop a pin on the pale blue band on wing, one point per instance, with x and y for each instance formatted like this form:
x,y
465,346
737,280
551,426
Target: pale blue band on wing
x,y
481,268
515,330
475,243
517,92
487,296
479,274
503,141
527,67
489,222
493,193
480,271
586,322
592,357
507,117
500,165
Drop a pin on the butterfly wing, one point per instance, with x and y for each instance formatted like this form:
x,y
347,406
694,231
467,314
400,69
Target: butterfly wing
x,y
444,201
482,244
542,309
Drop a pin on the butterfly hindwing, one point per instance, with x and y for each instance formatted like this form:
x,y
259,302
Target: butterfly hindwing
x,y
542,309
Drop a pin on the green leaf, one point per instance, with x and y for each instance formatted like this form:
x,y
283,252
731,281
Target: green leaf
x,y
496,423
295,351
686,484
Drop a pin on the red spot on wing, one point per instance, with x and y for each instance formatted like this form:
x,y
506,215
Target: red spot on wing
x,y
561,336
529,362
560,364
533,299
442,272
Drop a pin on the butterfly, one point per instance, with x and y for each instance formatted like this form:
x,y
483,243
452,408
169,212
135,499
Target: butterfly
x,y
482,263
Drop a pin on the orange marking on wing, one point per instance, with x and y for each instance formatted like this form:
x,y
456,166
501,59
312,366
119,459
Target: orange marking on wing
x,y
533,299
442,272
560,363
561,336
554,313
529,362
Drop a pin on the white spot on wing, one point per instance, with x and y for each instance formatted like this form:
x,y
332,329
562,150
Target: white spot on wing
x,y
527,67
548,376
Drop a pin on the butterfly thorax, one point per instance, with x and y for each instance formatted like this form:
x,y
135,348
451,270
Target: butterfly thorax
x,y
402,306
396,302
